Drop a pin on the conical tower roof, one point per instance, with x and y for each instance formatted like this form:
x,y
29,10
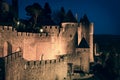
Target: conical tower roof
x,y
83,44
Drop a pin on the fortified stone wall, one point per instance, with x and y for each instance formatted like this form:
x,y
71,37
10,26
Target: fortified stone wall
x,y
6,34
53,30
14,67
80,58
42,70
84,30
46,70
87,31
68,37
38,45
33,45
41,46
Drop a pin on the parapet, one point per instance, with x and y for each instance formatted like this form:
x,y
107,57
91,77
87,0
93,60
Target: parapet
x,y
82,49
50,27
43,62
7,28
26,34
72,24
41,35
12,57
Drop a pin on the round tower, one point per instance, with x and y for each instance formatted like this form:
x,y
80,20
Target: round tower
x,y
68,37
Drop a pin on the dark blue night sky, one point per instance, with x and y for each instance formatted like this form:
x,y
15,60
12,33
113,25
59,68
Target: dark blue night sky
x,y
104,13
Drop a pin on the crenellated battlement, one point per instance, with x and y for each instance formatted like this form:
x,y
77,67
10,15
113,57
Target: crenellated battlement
x,y
53,51
70,24
52,30
44,62
41,34
7,28
12,57
26,34
51,27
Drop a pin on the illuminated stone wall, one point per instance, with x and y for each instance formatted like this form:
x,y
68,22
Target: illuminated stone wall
x,y
84,58
32,45
80,58
43,46
46,70
87,32
55,69
68,37
14,67
35,46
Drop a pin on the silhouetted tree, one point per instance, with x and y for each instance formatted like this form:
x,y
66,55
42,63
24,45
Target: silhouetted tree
x,y
84,20
47,20
6,17
42,16
62,14
69,17
58,16
34,11
47,9
107,70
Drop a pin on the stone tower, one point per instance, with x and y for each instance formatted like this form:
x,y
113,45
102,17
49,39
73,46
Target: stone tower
x,y
85,30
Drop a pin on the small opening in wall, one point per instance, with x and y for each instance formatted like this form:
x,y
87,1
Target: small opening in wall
x,y
50,61
45,62
34,63
28,63
7,28
70,35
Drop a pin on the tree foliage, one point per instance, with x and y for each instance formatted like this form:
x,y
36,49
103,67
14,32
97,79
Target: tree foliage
x,y
6,17
39,16
84,20
34,11
47,9
58,16
69,17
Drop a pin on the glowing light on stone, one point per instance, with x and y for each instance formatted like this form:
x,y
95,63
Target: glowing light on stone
x,y
41,30
18,23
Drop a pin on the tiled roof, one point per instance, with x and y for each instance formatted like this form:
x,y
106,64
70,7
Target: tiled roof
x,y
83,44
